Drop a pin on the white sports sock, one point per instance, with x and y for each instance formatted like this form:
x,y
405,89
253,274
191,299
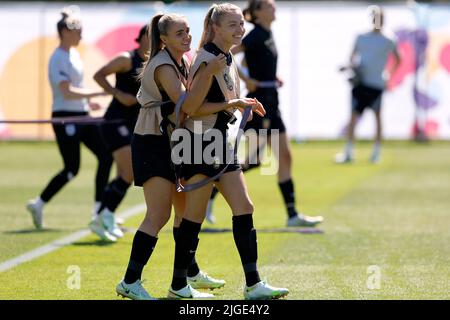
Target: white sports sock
x,y
39,202
209,214
349,149
209,208
376,148
97,205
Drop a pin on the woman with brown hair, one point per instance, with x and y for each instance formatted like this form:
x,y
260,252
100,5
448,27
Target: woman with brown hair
x,y
163,82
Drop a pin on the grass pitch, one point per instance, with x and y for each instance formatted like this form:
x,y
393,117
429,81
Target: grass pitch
x,y
395,216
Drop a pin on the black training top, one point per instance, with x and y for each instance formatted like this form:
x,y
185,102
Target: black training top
x,y
215,93
261,54
126,82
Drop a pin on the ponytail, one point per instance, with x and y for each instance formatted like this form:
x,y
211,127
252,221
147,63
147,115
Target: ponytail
x,y
249,12
155,36
157,27
70,19
155,42
247,15
208,31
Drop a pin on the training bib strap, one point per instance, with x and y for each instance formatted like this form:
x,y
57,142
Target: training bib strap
x,y
199,184
65,120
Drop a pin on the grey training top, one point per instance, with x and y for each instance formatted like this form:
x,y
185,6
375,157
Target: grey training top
x,y
66,66
373,49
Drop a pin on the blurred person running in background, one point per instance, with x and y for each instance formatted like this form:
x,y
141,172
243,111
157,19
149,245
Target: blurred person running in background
x,y
368,62
262,83
117,135
71,99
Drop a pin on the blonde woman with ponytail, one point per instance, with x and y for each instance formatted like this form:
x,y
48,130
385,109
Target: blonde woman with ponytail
x,y
163,82
262,83
223,28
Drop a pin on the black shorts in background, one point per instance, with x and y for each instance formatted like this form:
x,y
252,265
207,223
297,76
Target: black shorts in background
x,y
117,134
366,97
272,120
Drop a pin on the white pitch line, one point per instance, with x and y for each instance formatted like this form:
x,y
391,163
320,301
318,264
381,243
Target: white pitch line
x,y
59,243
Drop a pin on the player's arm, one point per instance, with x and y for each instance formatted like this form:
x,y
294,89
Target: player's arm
x,y
352,60
73,93
119,64
240,103
167,78
200,86
397,60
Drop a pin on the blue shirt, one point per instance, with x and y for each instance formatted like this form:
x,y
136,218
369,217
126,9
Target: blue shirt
x,y
66,66
372,50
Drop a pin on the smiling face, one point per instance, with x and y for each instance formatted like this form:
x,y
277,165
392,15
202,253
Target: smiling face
x,y
230,28
178,37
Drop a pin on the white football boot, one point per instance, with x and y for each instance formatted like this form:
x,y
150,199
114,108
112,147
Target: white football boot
x,y
264,291
109,221
35,207
97,227
134,291
188,293
204,281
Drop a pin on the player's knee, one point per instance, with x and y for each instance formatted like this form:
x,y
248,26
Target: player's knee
x,y
163,220
105,160
127,177
287,158
177,219
248,207
157,218
70,173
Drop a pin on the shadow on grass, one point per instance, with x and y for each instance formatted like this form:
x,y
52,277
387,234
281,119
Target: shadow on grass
x,y
98,243
184,300
33,230
259,230
268,230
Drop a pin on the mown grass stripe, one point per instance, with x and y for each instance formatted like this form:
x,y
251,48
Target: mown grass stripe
x,y
59,243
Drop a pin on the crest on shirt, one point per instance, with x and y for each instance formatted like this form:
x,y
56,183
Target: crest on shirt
x,y
229,83
123,131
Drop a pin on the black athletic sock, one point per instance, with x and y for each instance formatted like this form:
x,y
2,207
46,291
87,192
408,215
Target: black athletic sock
x,y
245,238
175,233
114,194
102,176
143,245
193,268
186,236
214,193
287,190
56,184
